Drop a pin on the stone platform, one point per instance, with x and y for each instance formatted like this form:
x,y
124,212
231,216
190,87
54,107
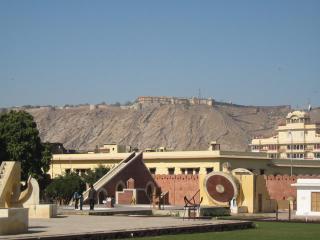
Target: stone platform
x,y
105,227
103,211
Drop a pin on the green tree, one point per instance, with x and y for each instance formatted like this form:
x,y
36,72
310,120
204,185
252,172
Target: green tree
x,y
92,176
20,141
62,188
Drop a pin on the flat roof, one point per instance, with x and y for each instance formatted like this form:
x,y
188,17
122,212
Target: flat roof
x,y
162,155
296,163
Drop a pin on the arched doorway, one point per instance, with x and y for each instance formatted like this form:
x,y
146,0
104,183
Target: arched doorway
x,y
120,186
150,190
102,196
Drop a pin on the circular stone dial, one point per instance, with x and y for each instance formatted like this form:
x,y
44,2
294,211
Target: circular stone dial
x,y
220,188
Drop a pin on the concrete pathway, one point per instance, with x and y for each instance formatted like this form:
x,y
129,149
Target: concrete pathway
x,y
84,224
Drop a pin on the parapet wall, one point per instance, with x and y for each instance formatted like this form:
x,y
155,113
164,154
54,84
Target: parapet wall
x,y
178,186
279,186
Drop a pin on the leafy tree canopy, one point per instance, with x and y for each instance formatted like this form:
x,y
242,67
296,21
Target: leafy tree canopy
x,y
20,141
62,187
92,176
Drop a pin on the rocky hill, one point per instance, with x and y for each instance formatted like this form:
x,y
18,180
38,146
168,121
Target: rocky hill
x,y
180,127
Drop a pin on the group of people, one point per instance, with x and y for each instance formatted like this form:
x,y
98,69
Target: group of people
x,y
78,198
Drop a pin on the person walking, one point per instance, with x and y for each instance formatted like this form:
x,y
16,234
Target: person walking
x,y
75,198
92,197
80,200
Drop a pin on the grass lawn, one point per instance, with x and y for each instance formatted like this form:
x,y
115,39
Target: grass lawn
x,y
263,230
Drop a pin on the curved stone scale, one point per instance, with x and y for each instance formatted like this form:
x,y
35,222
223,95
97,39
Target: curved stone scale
x,y
221,187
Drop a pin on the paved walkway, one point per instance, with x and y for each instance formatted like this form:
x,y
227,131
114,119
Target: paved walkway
x,y
84,224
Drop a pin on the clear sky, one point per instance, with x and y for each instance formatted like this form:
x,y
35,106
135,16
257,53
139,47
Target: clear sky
x,y
248,52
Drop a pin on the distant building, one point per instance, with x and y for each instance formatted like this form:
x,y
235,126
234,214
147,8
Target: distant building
x,y
159,149
112,148
92,107
297,139
175,100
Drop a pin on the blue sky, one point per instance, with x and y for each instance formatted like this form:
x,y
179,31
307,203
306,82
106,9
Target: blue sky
x,y
248,52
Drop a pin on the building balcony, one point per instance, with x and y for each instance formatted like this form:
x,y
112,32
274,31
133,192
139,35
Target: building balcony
x,y
272,151
295,150
263,150
309,149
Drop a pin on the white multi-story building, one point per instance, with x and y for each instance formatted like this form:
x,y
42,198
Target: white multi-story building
x,y
297,139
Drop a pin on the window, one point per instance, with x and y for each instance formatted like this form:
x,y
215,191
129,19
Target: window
x,y
82,172
197,170
190,171
152,170
183,171
273,147
295,155
209,170
315,201
295,147
255,147
171,171
316,155
262,171
68,171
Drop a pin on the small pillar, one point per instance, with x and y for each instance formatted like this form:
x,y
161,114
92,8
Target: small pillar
x,y
130,183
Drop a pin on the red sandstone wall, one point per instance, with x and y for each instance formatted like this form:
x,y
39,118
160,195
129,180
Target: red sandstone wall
x,y
178,187
279,187
125,197
135,170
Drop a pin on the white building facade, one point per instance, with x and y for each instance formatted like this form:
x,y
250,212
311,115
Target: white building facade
x,y
308,197
297,139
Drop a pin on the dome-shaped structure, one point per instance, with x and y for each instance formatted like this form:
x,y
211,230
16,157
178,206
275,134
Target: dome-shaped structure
x,y
298,117
221,187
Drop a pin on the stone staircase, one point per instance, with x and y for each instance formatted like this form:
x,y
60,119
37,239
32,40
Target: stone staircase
x,y
109,175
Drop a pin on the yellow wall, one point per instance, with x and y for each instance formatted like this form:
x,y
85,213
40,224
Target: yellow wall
x,y
250,187
268,205
246,192
162,165
163,160
206,200
255,162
